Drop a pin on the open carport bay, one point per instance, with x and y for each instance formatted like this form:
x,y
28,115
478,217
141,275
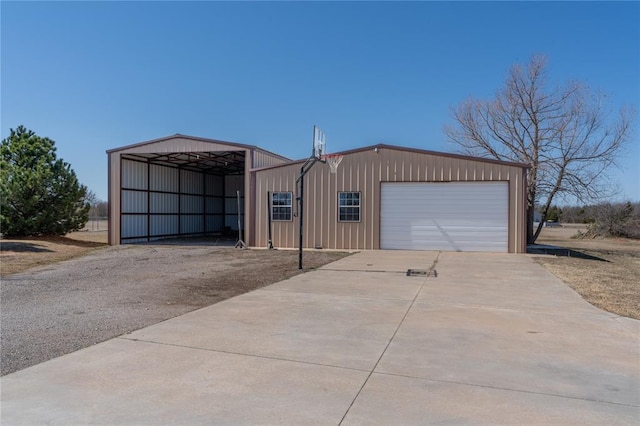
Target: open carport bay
x,y
493,338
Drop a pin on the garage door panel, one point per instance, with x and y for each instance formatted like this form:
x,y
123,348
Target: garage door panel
x,y
455,220
450,230
457,216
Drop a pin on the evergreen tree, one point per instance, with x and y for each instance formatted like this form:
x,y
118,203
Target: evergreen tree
x,y
39,193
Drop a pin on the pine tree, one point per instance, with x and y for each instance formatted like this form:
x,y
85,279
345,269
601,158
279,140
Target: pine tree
x,y
39,193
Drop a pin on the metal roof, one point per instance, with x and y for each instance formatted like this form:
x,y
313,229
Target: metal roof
x,y
197,139
406,149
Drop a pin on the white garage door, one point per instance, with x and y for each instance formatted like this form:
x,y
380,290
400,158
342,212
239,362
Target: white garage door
x,y
452,216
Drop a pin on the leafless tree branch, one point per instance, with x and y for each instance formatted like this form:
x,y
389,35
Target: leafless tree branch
x,y
566,135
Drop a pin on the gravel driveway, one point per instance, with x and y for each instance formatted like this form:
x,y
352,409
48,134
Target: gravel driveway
x,y
54,310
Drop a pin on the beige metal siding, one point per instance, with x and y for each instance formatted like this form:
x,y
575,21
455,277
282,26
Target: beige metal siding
x,y
283,231
179,144
364,171
266,159
114,198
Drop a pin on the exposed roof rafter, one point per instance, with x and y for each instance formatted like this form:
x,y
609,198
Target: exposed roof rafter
x,y
216,162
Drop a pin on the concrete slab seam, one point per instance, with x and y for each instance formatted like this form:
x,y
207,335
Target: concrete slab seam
x,y
391,339
507,389
242,354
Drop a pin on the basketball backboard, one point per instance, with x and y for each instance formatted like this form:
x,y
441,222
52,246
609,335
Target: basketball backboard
x,y
318,143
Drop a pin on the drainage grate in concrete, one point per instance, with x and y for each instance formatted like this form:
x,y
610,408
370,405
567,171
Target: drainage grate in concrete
x,y
422,273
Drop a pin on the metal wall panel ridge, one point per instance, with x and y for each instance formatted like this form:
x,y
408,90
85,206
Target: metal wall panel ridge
x,y
191,224
192,204
163,202
133,226
134,174
134,201
214,185
191,182
163,225
163,178
214,205
264,159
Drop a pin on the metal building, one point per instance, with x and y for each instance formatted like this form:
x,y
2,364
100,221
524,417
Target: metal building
x,y
180,186
386,197
382,197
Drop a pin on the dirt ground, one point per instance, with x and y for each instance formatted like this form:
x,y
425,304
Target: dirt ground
x,y
605,272
101,292
22,254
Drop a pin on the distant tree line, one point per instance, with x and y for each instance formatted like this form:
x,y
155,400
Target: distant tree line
x,y
603,220
98,208
101,209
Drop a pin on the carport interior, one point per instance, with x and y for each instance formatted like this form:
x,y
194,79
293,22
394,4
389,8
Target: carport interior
x,y
164,195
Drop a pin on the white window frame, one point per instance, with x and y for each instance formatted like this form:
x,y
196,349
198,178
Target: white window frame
x,y
350,206
281,206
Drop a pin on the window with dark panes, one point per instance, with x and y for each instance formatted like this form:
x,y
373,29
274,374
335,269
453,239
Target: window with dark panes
x,y
281,207
348,206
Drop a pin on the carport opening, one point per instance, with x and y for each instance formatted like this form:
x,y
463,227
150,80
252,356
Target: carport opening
x,y
181,194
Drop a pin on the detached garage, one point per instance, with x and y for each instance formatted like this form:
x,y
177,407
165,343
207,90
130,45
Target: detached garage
x,y
380,197
388,197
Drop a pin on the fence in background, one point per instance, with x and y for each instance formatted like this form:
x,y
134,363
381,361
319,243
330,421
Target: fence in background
x,y
97,223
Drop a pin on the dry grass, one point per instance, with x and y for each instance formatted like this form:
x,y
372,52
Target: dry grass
x,y
21,254
605,272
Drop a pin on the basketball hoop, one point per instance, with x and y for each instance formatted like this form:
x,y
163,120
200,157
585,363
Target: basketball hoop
x,y
333,160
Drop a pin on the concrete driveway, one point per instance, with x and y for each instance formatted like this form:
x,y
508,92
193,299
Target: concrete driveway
x,y
491,339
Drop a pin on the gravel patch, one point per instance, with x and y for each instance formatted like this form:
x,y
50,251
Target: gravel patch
x,y
57,309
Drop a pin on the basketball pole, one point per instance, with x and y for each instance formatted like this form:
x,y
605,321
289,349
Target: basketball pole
x,y
301,216
303,171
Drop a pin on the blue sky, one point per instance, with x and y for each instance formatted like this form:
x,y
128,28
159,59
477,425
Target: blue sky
x,y
99,75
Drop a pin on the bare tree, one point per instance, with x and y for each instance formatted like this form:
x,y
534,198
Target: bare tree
x,y
98,207
91,198
102,209
566,135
